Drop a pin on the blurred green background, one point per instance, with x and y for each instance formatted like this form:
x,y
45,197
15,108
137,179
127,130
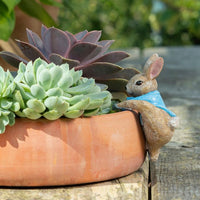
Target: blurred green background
x,y
135,23
131,23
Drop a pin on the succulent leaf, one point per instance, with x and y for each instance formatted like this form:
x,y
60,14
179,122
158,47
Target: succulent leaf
x,y
36,105
35,40
24,91
81,105
37,63
12,59
105,44
91,37
74,114
98,95
72,38
2,75
82,51
30,51
31,114
95,104
115,84
38,91
56,74
81,34
52,115
20,114
5,120
89,113
60,44
7,103
75,99
22,67
94,89
113,57
7,91
125,73
18,97
64,67
56,103
76,75
30,79
11,118
2,126
58,60
43,30
15,107
100,69
57,91
83,88
45,79
39,69
51,102
65,82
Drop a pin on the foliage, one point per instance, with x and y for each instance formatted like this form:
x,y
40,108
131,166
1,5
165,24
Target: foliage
x,y
82,51
177,22
125,21
7,104
52,91
141,23
32,8
135,23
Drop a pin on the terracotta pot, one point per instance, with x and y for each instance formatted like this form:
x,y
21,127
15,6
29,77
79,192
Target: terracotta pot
x,y
62,152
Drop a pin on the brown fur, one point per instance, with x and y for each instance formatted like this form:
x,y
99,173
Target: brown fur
x,y
156,122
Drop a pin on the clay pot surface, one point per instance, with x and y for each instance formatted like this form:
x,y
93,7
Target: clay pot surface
x,y
64,151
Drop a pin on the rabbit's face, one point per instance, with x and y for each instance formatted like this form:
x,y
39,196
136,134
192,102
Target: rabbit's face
x,y
140,84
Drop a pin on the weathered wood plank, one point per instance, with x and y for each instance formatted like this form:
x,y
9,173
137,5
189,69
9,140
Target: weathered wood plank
x,y
131,187
176,175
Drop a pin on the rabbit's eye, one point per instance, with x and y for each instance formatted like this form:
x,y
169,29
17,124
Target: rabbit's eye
x,y
139,82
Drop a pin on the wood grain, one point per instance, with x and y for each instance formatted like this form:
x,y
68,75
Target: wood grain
x,y
176,175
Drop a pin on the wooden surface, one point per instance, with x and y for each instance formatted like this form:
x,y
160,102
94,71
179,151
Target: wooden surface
x,y
176,175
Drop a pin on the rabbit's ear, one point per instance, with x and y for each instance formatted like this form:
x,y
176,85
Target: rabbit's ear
x,y
150,60
155,68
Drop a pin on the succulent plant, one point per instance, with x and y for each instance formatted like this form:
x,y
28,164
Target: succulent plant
x,y
52,91
7,104
82,51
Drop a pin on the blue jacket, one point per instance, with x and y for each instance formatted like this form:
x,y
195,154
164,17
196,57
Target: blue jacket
x,y
154,98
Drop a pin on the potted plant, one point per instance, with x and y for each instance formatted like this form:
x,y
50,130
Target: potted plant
x,y
82,51
63,131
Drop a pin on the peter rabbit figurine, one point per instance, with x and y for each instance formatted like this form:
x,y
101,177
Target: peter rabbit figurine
x,y
158,122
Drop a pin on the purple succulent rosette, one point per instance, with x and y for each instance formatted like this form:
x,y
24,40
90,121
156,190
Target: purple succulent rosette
x,y
82,51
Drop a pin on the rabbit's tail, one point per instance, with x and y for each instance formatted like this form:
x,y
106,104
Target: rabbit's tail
x,y
174,122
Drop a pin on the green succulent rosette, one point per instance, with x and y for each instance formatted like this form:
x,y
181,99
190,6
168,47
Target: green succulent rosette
x,y
8,106
52,91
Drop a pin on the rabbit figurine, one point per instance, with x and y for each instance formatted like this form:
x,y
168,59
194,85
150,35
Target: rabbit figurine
x,y
158,122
